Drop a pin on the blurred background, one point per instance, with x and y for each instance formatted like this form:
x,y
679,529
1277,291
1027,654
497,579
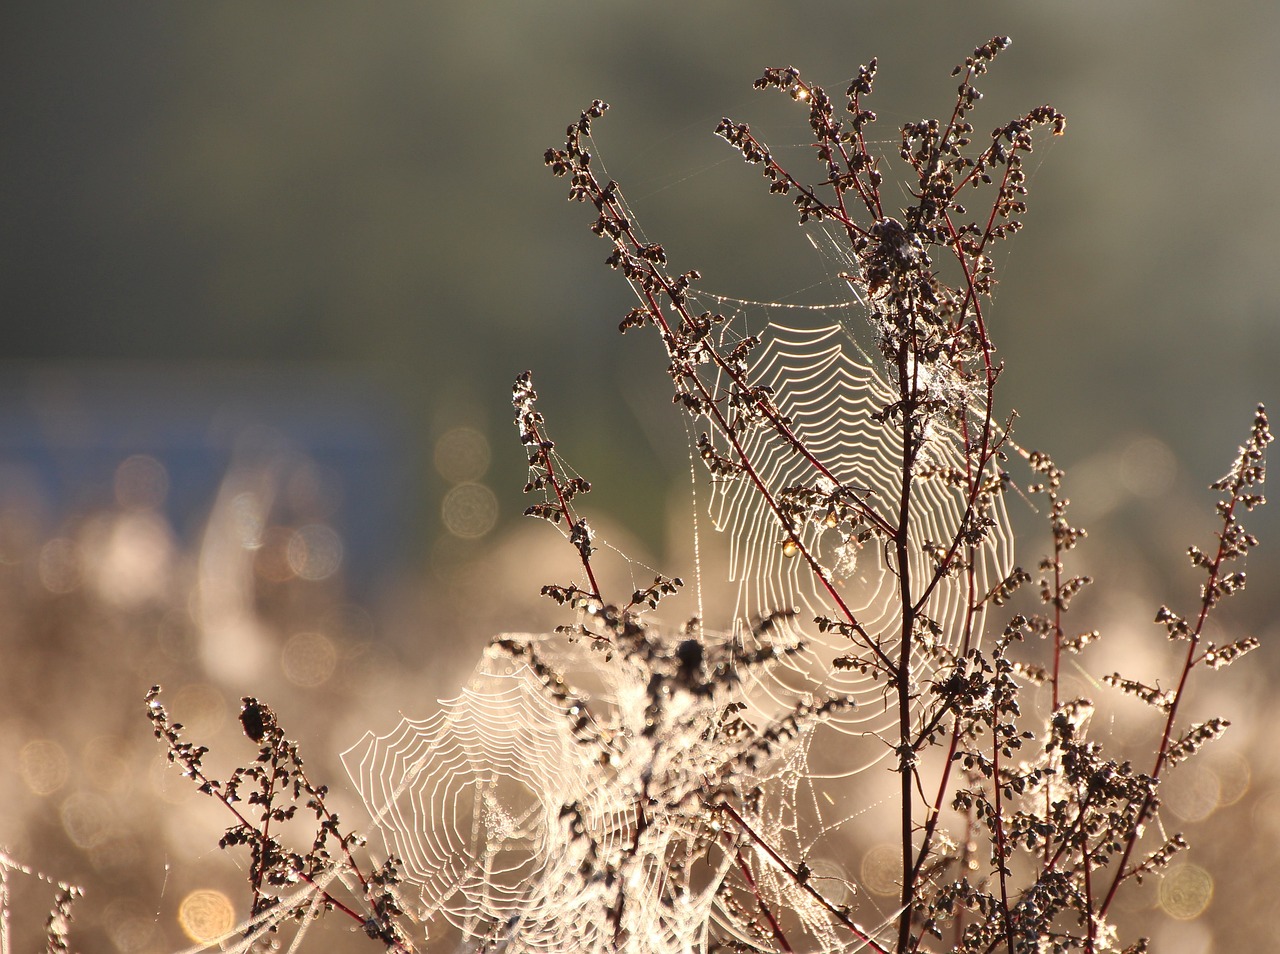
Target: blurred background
x,y
267,272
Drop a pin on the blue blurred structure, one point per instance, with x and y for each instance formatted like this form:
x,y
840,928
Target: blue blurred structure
x,y
331,437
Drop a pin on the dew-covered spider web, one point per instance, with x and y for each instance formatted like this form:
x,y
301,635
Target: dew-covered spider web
x,y
830,389
534,817
591,796
514,806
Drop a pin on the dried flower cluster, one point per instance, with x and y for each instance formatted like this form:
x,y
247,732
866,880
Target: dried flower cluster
x,y
621,785
263,797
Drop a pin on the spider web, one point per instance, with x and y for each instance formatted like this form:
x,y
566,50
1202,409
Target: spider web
x,y
552,785
566,799
523,810
824,382
456,795
513,807
817,361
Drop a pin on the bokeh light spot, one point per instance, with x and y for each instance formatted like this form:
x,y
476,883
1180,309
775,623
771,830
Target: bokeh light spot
x,y
1192,792
831,879
130,925
462,455
315,552
203,707
1185,891
248,519
206,915
1266,814
271,562
105,763
43,766
881,869
141,483
1234,776
85,818
59,565
469,510
134,559
1147,467
308,660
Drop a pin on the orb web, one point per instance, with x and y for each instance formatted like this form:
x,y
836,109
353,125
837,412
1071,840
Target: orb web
x,y
522,807
574,799
463,797
833,394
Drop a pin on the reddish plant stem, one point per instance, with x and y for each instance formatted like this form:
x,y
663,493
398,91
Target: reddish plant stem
x,y
616,214
749,468
1001,854
259,868
750,878
199,776
987,450
906,750
609,208
803,884
931,825
544,455
1193,641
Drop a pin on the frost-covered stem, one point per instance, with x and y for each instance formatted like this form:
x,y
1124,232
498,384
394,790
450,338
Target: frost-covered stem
x,y
642,825
4,905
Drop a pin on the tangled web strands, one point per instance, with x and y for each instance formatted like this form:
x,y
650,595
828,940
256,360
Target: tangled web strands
x,y
833,392
547,819
513,808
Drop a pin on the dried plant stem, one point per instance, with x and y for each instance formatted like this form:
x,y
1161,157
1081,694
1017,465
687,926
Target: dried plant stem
x,y
764,845
570,518
774,926
1232,542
